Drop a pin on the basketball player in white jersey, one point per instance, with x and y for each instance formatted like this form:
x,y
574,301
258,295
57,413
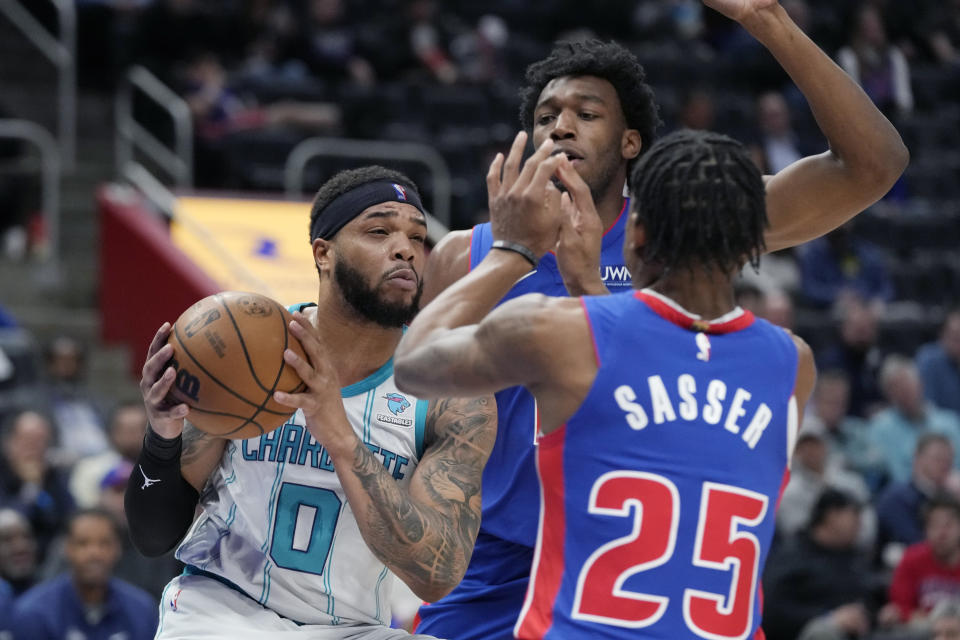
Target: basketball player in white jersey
x,y
303,530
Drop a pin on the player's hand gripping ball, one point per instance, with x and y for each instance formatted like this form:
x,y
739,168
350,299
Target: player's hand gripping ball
x,y
228,354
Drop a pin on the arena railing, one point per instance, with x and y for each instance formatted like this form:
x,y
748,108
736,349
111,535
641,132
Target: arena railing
x,y
50,171
293,174
132,135
61,51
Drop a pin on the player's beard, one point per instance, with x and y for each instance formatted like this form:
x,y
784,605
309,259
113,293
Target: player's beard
x,y
366,300
601,181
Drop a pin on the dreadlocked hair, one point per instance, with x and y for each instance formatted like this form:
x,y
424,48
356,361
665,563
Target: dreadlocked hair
x,y
702,202
607,60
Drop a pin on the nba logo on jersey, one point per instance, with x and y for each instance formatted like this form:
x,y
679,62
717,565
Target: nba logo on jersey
x,y
396,404
401,192
703,344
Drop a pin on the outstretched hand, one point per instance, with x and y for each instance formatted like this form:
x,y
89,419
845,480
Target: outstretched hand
x,y
524,203
581,236
739,9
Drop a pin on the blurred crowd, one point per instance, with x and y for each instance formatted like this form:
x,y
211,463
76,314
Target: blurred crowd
x,y
868,535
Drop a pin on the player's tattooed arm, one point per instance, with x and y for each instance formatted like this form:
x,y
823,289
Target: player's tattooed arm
x,y
426,533
423,532
200,455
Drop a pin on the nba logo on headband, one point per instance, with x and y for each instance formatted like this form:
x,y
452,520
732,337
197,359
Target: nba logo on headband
x,y
401,192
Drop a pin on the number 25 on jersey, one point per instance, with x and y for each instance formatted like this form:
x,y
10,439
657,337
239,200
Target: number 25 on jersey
x,y
721,543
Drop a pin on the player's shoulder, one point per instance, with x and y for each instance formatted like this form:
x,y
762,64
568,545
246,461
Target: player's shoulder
x,y
453,247
449,261
542,307
530,326
803,349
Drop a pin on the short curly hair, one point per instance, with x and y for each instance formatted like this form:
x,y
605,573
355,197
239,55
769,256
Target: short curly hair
x,y
350,179
608,60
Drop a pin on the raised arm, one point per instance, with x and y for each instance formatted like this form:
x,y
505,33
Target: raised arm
x,y
819,193
457,345
425,532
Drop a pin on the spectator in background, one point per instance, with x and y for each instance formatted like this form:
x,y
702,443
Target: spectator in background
x,y
772,305
939,365
76,414
817,585
479,53
28,483
896,430
945,620
150,574
330,47
128,426
272,29
218,111
943,29
779,309
777,146
840,264
847,439
929,572
18,551
87,602
170,31
900,506
878,66
697,111
6,607
778,274
677,19
811,474
428,40
751,298
857,354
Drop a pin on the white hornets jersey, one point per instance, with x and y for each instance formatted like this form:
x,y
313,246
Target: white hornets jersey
x,y
276,524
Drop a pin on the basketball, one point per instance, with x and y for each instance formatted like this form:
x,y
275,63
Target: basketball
x,y
228,354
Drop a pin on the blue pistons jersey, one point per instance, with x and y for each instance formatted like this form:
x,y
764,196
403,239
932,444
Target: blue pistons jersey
x,y
659,492
486,603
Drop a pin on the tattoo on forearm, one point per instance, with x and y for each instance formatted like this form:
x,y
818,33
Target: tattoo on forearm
x,y
430,540
195,442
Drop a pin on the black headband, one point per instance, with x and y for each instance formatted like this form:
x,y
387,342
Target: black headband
x,y
349,205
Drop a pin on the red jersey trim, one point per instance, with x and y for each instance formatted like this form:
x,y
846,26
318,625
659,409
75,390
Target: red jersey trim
x,y
623,210
546,575
737,320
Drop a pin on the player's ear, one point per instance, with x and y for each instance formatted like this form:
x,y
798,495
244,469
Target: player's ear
x,y
321,255
630,144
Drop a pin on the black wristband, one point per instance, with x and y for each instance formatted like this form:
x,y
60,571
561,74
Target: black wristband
x,y
516,247
160,449
159,502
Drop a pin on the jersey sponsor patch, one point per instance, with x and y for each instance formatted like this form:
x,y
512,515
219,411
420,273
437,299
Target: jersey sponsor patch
x,y
396,405
615,275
